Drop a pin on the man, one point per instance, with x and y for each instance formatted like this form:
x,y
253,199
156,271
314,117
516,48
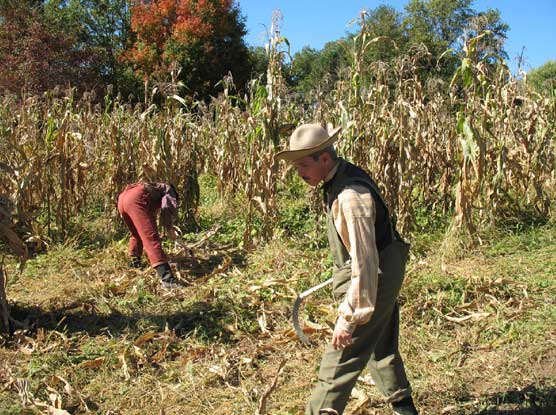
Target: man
x,y
369,265
138,205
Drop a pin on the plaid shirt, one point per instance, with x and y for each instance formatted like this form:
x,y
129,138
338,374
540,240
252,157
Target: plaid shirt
x,y
354,216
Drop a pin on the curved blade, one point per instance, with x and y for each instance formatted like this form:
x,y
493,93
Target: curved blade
x,y
295,317
297,306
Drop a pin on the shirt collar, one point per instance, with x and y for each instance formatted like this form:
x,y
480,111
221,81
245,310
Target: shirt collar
x,y
332,172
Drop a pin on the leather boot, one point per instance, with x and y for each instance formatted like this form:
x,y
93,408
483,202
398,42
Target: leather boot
x,y
166,275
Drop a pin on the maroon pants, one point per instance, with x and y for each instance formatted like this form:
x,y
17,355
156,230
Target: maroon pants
x,y
139,214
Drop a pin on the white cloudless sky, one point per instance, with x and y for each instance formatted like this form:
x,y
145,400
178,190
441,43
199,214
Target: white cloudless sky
x,y
314,23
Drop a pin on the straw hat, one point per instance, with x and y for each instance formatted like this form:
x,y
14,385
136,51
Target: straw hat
x,y
308,139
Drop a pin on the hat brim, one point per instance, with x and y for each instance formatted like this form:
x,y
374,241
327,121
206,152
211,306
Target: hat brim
x,y
293,155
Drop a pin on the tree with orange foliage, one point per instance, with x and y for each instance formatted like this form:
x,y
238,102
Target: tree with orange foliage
x,y
203,37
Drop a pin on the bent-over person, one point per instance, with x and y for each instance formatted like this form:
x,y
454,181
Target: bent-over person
x,y
369,266
138,205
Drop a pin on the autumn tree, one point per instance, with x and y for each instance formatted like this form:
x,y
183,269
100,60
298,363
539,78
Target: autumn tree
x,y
196,42
34,55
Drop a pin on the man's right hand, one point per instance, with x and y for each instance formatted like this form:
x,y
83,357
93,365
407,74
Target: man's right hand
x,y
341,339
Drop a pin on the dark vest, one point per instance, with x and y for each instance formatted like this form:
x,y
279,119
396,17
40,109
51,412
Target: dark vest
x,y
347,175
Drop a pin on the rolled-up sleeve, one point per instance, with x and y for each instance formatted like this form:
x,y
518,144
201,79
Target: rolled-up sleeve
x,y
354,215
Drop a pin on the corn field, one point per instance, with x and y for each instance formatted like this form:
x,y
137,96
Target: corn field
x,y
480,149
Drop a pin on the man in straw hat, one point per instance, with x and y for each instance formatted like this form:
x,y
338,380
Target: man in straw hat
x,y
369,265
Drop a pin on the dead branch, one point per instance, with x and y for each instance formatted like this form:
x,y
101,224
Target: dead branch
x,y
264,398
197,244
4,310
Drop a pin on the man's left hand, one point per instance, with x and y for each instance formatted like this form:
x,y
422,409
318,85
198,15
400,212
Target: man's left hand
x,y
341,339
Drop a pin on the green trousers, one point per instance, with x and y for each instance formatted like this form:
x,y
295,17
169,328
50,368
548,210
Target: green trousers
x,y
375,345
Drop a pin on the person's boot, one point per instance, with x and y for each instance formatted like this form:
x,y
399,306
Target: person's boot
x,y
405,407
135,262
166,275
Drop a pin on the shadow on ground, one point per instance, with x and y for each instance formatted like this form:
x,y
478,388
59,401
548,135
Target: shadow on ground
x,y
527,401
202,264
207,318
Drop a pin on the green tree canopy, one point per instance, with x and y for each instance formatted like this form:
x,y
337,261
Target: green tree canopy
x,y
439,25
543,78
100,26
311,69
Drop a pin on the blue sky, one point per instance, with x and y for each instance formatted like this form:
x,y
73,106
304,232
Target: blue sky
x,y
315,22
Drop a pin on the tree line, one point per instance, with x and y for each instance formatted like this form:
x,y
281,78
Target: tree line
x,y
186,47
